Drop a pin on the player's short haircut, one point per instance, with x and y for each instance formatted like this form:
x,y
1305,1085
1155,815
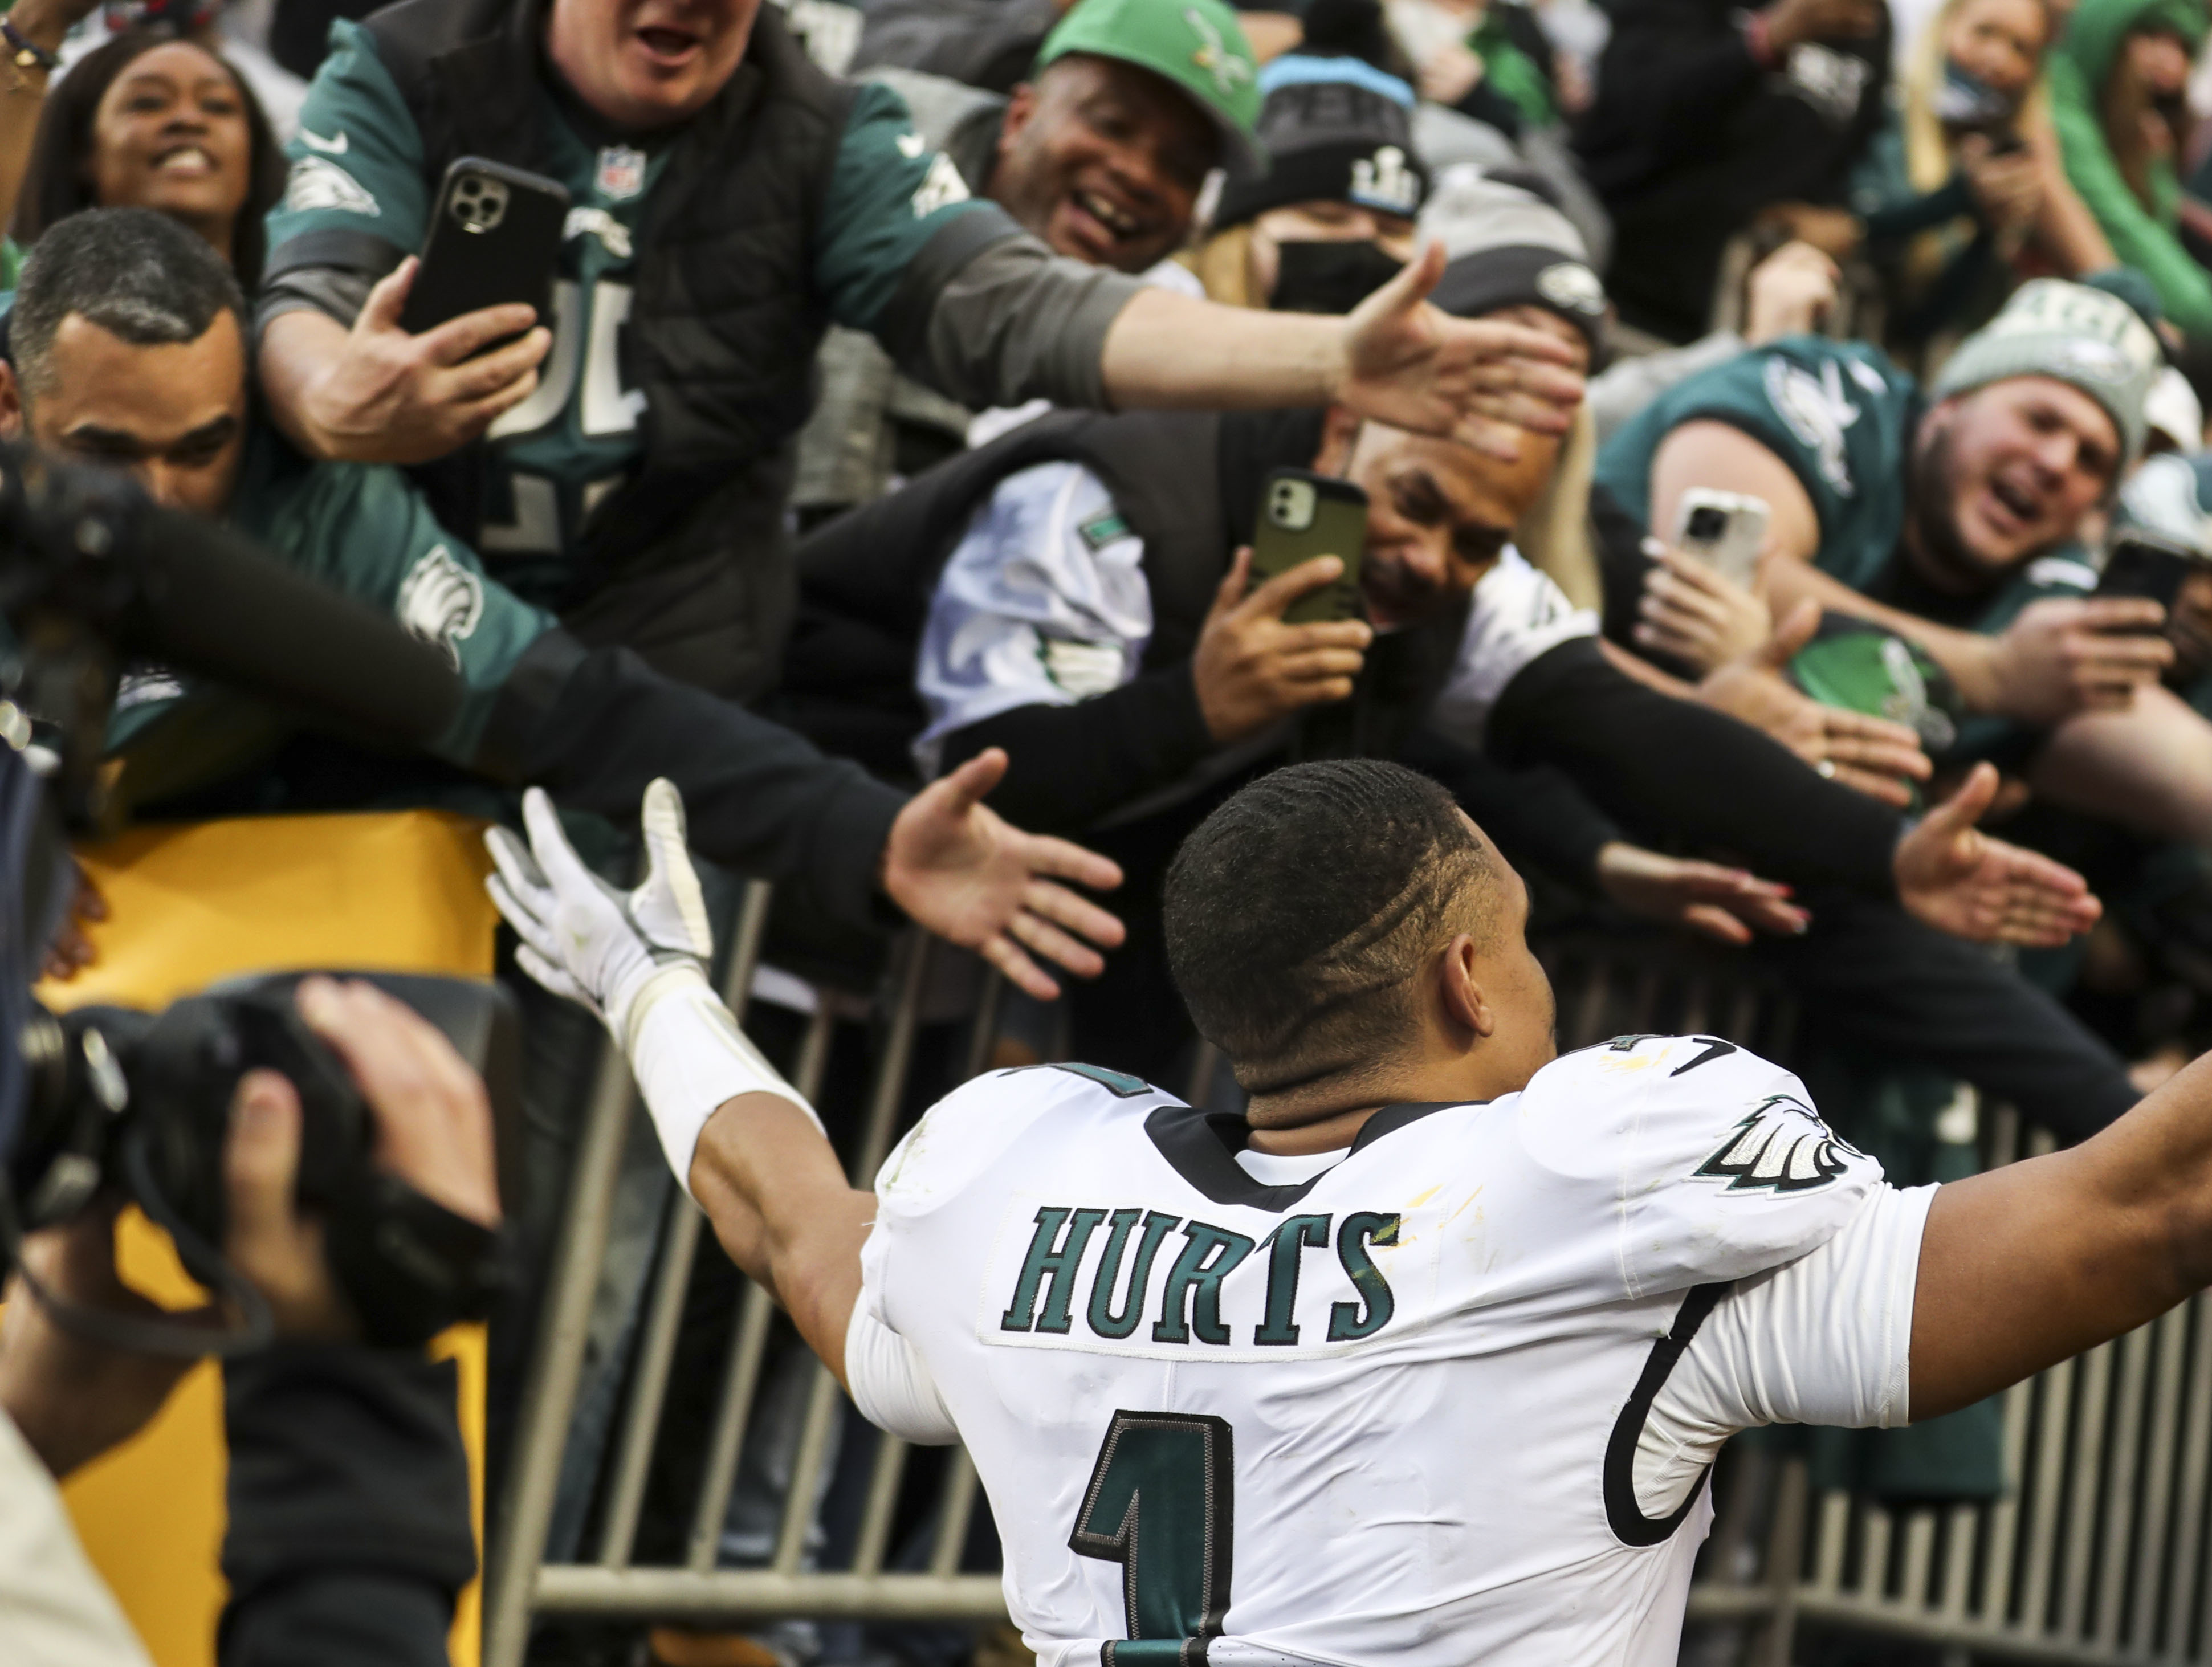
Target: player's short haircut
x,y
139,276
1298,914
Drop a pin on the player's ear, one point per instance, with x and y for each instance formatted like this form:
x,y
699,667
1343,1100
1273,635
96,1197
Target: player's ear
x,y
1466,1008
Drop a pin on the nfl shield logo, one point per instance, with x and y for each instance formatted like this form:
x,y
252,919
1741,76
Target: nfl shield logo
x,y
621,173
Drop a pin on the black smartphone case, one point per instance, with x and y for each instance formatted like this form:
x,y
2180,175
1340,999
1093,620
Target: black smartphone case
x,y
494,237
2144,567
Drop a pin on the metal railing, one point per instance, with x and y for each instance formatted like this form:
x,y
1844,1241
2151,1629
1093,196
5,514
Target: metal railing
x,y
2099,1552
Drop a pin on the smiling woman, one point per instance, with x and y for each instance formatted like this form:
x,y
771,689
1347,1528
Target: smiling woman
x,y
151,121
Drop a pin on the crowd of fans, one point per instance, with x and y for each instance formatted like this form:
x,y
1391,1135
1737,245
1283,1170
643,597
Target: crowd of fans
x,y
913,370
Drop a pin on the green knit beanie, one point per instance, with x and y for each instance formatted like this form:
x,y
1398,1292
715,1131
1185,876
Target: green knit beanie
x,y
2071,333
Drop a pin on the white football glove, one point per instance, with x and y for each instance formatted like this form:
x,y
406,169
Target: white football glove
x,y
583,938
638,960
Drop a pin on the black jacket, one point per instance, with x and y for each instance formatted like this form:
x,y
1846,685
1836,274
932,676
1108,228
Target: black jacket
x,y
1187,484
1688,138
348,1497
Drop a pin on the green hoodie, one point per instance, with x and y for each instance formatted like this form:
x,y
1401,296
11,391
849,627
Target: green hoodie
x,y
2142,238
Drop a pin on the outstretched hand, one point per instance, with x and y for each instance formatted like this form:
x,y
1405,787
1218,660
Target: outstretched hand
x,y
960,870
1855,750
1410,365
1956,878
1730,904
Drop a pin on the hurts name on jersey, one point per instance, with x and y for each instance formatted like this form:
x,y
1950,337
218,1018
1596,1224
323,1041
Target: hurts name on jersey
x,y
1062,1290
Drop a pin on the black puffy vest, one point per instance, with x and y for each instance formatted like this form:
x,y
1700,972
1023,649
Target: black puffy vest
x,y
867,578
689,563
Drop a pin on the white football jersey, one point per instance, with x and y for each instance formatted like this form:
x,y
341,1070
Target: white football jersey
x,y
1392,1412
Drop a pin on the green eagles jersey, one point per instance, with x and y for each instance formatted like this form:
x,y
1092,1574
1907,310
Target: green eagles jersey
x,y
357,164
1841,417
1839,413
364,530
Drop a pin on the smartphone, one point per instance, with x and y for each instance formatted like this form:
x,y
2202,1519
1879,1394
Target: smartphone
x,y
2143,564
1724,530
494,237
1303,515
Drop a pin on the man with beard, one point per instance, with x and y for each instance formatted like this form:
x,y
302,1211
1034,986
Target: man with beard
x,y
1949,521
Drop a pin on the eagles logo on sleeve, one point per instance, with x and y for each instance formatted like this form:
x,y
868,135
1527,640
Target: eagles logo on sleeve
x,y
1782,1146
315,184
441,601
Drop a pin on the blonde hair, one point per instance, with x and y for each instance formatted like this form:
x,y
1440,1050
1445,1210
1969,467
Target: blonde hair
x,y
1928,161
1223,263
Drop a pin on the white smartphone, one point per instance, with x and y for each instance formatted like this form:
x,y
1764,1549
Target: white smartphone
x,y
1724,530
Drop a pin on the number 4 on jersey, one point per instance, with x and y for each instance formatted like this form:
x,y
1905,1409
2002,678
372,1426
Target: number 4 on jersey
x,y
1160,1504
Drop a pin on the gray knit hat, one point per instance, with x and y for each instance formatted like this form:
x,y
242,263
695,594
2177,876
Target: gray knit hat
x,y
2071,333
1508,248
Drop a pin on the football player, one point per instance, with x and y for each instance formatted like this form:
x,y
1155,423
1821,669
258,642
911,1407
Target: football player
x,y
1423,1358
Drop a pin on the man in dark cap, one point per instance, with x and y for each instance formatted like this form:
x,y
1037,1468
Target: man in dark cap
x,y
1101,150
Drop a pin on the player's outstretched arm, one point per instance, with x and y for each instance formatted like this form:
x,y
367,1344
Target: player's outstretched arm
x,y
742,1139
782,1209
2029,1264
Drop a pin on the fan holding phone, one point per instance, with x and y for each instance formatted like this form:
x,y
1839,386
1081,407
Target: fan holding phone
x,y
2173,572
495,240
1700,605
452,340
1286,630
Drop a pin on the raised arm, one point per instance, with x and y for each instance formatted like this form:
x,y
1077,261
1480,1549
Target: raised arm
x,y
1397,359
743,1140
1675,767
43,23
783,1210
2027,1265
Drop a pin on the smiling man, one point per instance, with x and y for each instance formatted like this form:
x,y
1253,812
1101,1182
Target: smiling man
x,y
629,466
1952,520
1104,150
1101,153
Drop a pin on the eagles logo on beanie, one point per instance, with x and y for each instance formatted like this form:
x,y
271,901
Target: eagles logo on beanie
x,y
1510,248
2072,333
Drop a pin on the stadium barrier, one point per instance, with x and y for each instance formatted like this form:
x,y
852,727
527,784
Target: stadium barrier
x,y
2099,1552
